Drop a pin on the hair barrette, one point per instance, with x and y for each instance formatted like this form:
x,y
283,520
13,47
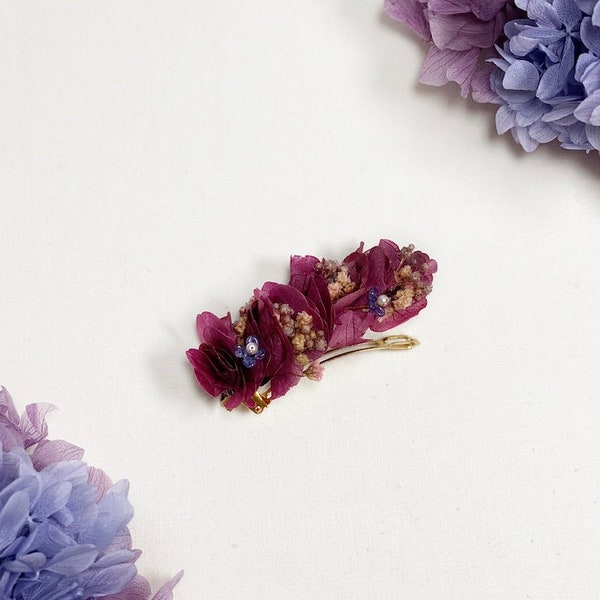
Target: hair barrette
x,y
288,331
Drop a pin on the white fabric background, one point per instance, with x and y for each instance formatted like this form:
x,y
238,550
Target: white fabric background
x,y
162,158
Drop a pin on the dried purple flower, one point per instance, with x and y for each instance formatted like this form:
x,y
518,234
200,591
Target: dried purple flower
x,y
220,368
63,525
286,331
462,34
402,277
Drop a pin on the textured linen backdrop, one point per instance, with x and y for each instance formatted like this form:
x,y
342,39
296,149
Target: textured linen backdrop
x,y
161,158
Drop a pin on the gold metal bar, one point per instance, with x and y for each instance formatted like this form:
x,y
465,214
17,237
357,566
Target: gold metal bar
x,y
389,342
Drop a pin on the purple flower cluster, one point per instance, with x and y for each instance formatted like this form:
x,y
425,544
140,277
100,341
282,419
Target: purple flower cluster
x,y
461,34
280,335
538,59
63,525
548,75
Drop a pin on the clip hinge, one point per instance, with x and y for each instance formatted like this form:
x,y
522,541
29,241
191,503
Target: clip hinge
x,y
261,400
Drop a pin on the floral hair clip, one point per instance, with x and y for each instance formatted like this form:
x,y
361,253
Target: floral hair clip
x,y
287,331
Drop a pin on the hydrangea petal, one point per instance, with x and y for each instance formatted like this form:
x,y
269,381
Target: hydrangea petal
x,y
593,135
481,87
484,10
568,13
596,15
522,137
12,517
532,38
587,71
543,132
505,119
586,6
559,112
555,77
588,110
33,423
60,506
29,563
543,12
442,66
521,75
73,560
590,36
470,28
53,498
49,452
110,580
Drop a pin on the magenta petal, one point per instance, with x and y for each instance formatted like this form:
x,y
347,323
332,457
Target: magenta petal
x,y
212,329
390,249
379,273
301,267
399,317
216,368
286,294
280,366
350,329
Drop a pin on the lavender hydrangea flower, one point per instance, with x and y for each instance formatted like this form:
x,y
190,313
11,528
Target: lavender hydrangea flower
x,y
462,34
548,75
63,525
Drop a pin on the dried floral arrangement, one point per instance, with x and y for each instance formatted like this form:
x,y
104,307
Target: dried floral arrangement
x,y
539,60
63,524
286,332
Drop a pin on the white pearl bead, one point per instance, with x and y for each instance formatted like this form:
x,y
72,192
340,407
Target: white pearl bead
x,y
251,348
382,300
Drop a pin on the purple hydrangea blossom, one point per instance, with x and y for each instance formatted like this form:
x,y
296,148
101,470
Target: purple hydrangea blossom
x,y
548,75
63,525
462,34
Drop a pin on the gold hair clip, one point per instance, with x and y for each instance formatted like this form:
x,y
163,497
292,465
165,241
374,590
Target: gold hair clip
x,y
262,399
288,331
